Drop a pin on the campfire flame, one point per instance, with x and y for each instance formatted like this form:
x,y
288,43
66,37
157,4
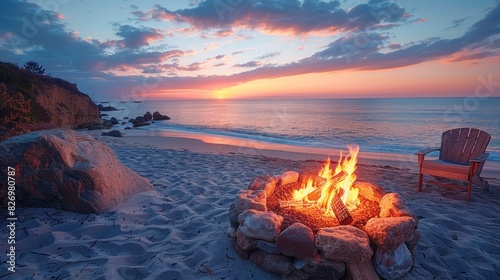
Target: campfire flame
x,y
330,189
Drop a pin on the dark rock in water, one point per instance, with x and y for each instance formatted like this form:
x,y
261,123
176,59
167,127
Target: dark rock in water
x,y
126,118
114,120
106,108
128,127
64,170
148,116
107,123
140,121
124,123
112,133
103,115
95,127
158,117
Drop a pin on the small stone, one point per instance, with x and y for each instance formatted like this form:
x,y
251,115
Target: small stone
x,y
393,264
393,205
272,263
344,244
244,242
412,240
244,254
289,177
260,225
320,268
370,191
268,247
297,240
251,200
233,215
231,232
265,183
390,233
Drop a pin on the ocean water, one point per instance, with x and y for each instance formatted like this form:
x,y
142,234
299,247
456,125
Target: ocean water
x,y
377,125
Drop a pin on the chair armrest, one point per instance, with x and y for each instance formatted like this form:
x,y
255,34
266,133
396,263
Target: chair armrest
x,y
480,158
426,151
421,155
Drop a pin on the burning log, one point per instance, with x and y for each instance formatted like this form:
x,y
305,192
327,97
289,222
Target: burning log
x,y
340,210
290,203
293,203
316,194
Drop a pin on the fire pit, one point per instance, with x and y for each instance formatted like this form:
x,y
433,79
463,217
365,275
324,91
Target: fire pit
x,y
323,226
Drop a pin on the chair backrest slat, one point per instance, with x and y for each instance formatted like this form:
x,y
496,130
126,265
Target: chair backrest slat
x,y
463,144
468,148
481,143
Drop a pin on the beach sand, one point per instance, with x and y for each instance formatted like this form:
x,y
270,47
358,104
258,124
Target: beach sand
x,y
178,231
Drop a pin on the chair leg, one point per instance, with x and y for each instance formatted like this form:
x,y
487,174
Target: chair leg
x,y
480,182
469,190
420,177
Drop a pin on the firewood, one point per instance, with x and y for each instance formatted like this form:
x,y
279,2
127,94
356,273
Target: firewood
x,y
293,203
316,194
340,210
361,271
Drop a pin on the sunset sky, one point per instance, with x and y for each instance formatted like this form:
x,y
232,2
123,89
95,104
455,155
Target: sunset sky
x,y
139,50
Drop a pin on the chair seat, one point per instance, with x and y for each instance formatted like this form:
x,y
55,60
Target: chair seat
x,y
438,164
443,168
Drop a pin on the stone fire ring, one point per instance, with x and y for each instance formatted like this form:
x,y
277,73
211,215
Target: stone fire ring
x,y
383,247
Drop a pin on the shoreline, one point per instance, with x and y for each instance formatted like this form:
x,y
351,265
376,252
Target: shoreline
x,y
208,143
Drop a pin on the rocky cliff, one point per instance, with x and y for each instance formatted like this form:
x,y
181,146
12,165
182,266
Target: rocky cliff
x,y
47,102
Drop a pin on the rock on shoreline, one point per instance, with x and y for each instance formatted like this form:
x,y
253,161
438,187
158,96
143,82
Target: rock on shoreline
x,y
63,170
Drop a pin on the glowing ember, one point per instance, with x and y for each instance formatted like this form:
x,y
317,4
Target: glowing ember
x,y
331,187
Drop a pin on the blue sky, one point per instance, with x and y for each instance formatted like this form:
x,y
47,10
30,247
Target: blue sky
x,y
246,48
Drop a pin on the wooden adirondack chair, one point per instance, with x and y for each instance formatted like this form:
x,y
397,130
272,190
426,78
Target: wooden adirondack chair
x,y
461,157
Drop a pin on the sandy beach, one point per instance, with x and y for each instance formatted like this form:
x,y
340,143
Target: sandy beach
x,y
178,230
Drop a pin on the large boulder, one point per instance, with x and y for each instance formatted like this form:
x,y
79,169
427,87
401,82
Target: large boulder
x,y
265,183
297,241
64,170
148,116
344,244
260,225
390,233
158,117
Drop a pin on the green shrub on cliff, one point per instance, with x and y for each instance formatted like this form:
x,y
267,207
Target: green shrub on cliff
x,y
15,112
34,68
